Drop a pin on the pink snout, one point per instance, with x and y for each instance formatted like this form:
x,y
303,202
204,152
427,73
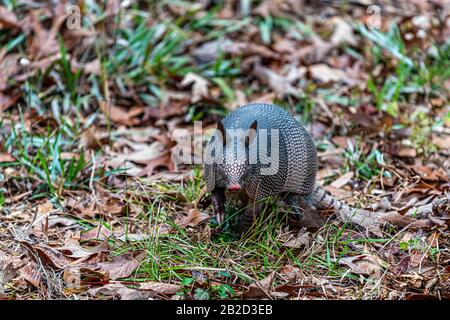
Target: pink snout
x,y
234,187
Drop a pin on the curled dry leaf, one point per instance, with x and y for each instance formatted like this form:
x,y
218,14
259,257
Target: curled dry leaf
x,y
442,142
73,249
199,86
343,33
210,51
121,266
120,115
364,264
31,274
164,160
193,218
45,42
98,233
46,255
430,174
324,73
342,180
281,85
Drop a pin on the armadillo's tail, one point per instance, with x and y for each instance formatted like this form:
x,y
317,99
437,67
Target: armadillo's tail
x,y
323,200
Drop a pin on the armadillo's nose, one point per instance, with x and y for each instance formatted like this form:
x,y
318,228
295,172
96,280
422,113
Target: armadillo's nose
x,y
234,187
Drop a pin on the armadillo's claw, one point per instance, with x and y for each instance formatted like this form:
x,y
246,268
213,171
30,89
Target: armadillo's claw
x,y
220,217
218,201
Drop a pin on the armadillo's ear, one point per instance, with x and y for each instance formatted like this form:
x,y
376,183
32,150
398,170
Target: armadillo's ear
x,y
222,131
252,132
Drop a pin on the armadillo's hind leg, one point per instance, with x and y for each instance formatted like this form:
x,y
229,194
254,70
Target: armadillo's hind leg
x,y
295,201
218,201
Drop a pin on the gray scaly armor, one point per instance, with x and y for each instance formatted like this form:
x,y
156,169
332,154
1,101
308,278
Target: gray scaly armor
x,y
297,166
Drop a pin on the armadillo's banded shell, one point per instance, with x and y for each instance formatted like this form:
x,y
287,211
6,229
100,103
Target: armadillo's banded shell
x,y
297,154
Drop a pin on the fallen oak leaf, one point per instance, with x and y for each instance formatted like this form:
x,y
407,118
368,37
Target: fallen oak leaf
x,y
45,43
193,218
199,86
364,264
121,266
31,274
47,255
430,174
261,288
281,85
87,207
397,219
324,73
343,33
342,180
73,249
164,160
121,116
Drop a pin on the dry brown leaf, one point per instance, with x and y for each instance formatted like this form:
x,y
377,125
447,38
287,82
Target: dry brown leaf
x,y
160,287
119,290
260,289
301,240
324,73
193,218
343,33
442,142
45,42
430,174
121,116
31,274
164,160
8,19
8,101
397,219
87,207
363,264
6,157
8,68
281,85
122,266
47,255
342,180
99,233
73,249
199,86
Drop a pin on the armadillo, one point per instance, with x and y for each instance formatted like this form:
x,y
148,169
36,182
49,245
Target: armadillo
x,y
249,133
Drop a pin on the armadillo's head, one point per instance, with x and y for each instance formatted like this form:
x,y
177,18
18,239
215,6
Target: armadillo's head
x,y
236,167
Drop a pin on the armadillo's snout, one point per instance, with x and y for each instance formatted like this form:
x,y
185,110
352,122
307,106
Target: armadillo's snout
x,y
234,187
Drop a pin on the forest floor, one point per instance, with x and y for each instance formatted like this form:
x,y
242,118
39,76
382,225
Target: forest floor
x,y
94,206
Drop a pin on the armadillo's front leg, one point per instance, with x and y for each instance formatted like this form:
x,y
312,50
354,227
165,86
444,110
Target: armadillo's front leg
x,y
218,201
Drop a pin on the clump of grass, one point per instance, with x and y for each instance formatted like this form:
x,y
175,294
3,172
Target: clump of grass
x,y
41,155
364,166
